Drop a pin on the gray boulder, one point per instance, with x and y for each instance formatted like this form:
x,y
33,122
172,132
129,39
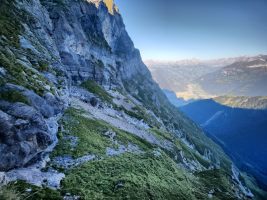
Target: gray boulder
x,y
23,135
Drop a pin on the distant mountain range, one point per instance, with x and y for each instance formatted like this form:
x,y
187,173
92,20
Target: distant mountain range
x,y
239,125
195,79
245,78
175,76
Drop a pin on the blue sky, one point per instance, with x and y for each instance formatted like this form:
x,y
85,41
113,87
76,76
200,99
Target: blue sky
x,y
204,29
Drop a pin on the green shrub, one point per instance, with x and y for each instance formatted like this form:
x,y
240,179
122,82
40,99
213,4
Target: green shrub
x,y
10,25
2,81
163,135
9,193
100,41
13,96
93,87
43,66
19,188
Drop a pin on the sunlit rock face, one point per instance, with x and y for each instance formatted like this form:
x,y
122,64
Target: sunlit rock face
x,y
109,4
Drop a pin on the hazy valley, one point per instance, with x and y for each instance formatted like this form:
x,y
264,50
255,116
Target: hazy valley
x,y
196,79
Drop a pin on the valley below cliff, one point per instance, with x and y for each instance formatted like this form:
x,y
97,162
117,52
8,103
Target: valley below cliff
x,y
238,124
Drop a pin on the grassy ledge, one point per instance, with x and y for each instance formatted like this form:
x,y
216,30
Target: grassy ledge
x,y
93,87
90,134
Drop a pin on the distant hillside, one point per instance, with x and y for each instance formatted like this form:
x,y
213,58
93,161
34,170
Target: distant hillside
x,y
257,102
239,126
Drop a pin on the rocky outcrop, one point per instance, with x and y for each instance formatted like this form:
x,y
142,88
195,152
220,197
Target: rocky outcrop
x,y
24,128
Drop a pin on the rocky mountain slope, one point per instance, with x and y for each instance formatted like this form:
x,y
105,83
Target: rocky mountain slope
x,y
239,125
82,118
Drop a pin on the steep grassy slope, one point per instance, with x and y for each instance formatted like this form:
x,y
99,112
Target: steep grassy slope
x,y
147,173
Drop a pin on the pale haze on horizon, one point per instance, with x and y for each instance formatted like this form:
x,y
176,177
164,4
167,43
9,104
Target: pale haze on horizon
x,y
185,29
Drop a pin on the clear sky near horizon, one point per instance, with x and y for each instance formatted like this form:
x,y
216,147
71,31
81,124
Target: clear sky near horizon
x,y
206,29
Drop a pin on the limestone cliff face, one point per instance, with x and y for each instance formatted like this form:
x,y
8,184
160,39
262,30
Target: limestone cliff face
x,y
84,34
